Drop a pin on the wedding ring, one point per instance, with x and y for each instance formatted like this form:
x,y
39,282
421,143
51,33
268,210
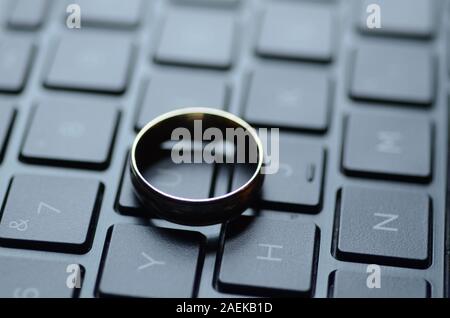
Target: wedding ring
x,y
189,211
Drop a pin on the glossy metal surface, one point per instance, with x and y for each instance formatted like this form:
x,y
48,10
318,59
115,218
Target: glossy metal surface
x,y
187,211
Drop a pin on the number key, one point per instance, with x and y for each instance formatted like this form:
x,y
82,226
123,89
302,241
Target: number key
x,y
50,213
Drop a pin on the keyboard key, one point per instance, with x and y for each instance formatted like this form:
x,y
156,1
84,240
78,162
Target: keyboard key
x,y
354,285
287,98
127,201
200,37
28,15
384,226
50,213
16,55
7,115
111,13
388,146
151,262
297,31
411,18
192,181
33,278
268,257
393,73
71,133
91,63
215,3
169,91
297,186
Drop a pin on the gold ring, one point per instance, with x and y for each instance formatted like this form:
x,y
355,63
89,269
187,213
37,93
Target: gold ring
x,y
187,211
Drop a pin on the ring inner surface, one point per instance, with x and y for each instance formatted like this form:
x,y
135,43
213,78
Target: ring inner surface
x,y
175,152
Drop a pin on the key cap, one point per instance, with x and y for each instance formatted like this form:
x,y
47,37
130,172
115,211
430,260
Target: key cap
x,y
297,186
297,31
71,133
388,146
200,37
28,15
16,55
33,278
215,3
268,257
393,73
111,13
354,285
91,63
410,18
7,115
193,181
288,98
127,202
50,213
384,226
173,90
151,262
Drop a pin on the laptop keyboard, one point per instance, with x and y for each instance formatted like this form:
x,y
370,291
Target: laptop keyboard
x,y
363,147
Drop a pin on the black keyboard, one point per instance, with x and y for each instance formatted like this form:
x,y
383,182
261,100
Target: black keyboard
x,y
364,125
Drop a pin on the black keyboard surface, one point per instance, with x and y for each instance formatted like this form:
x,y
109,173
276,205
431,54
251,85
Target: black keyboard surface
x,y
364,125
